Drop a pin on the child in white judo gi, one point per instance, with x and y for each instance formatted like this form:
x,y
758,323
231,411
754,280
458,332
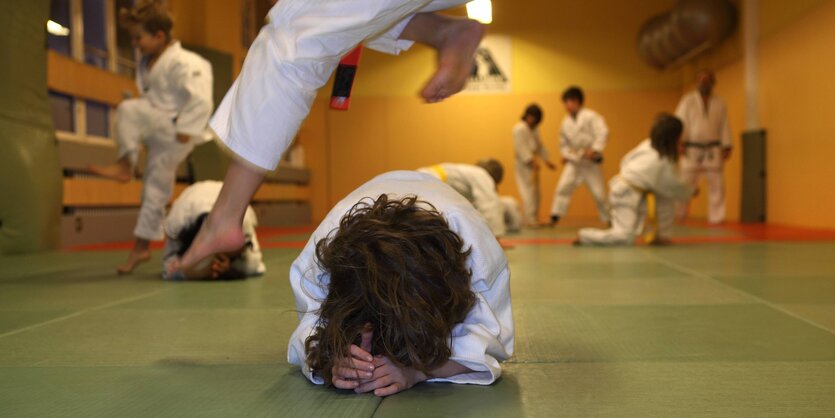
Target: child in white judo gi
x,y
403,282
477,183
648,168
529,151
169,118
184,220
292,57
583,137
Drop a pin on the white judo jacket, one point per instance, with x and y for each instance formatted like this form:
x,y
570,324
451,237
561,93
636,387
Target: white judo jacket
x,y
644,169
196,200
477,186
180,86
484,339
587,131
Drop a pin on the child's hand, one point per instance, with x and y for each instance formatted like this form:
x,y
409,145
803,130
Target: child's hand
x,y
389,378
357,369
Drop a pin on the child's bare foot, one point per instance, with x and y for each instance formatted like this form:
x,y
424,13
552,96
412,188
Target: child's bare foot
x,y
135,258
118,172
456,45
215,237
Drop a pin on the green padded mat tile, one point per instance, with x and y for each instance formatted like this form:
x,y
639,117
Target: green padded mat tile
x,y
11,320
558,333
142,337
650,389
265,292
648,291
760,259
558,254
823,315
173,390
593,270
790,290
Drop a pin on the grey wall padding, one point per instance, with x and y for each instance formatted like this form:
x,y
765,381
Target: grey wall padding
x,y
30,175
692,27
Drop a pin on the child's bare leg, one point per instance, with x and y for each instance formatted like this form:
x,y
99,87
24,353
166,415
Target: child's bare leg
x,y
222,231
139,254
121,171
456,41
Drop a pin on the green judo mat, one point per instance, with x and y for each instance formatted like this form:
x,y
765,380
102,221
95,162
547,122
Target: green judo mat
x,y
689,330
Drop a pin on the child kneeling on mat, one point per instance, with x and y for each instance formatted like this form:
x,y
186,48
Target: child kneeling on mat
x,y
186,217
649,169
393,290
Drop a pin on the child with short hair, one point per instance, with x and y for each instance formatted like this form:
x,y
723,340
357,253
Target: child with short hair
x,y
529,153
169,118
648,168
583,136
396,289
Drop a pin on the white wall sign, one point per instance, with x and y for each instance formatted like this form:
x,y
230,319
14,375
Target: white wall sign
x,y
492,67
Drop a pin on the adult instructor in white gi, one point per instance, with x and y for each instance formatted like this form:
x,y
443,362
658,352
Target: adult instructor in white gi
x,y
707,143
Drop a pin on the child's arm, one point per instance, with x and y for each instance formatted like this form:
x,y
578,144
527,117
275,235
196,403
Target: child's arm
x,y
601,134
194,80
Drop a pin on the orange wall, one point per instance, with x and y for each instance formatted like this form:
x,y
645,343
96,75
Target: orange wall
x,y
796,93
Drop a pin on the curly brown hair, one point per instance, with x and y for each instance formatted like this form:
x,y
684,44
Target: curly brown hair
x,y
666,134
394,264
152,15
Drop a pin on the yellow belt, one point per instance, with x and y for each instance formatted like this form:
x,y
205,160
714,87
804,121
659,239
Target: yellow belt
x,y
439,170
652,212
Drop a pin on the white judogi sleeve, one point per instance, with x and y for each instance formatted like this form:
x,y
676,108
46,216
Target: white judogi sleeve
x,y
643,168
195,83
486,336
600,132
527,144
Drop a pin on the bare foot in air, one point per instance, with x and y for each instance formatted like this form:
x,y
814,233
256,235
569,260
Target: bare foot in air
x,y
118,172
135,258
456,44
213,238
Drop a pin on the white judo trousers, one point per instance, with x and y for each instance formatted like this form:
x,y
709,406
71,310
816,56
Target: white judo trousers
x,y
527,146
628,211
293,56
706,132
512,214
483,339
573,175
587,130
138,123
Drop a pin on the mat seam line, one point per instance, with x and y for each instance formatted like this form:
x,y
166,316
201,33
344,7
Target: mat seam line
x,y
82,312
704,276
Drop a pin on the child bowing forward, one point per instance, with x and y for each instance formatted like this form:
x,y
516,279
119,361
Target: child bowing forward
x,y
395,290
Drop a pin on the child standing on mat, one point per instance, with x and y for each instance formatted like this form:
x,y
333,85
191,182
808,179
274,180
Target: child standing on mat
x,y
169,118
649,168
292,57
583,137
395,288
529,151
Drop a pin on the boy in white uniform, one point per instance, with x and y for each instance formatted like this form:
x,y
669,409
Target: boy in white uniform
x,y
402,282
292,57
183,222
707,143
583,137
477,183
648,168
528,150
169,118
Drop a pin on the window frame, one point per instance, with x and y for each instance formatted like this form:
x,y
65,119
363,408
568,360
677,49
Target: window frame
x,y
77,54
